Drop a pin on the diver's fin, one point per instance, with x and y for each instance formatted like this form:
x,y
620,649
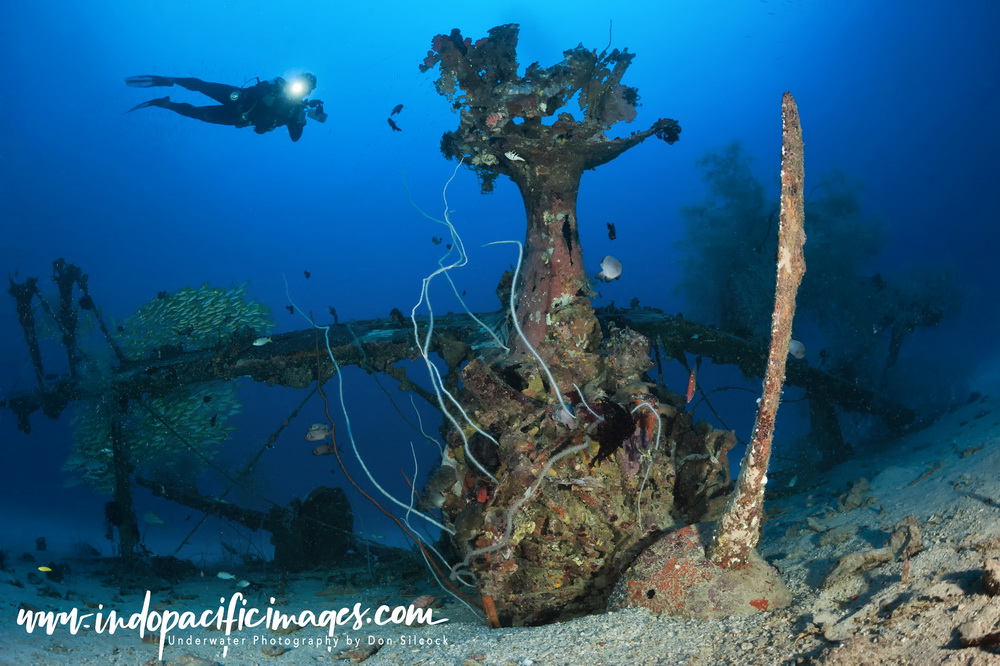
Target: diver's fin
x,y
148,81
159,101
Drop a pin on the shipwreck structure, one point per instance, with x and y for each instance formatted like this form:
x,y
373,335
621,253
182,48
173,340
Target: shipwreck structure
x,y
694,487
566,458
523,127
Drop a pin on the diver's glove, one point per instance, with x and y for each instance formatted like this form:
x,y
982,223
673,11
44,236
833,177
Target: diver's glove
x,y
148,81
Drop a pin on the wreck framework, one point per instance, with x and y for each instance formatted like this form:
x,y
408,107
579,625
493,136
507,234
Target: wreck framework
x,y
547,502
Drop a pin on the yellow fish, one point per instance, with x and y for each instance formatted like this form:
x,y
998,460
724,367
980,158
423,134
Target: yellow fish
x,y
45,569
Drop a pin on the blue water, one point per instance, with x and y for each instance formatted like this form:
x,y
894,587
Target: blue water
x,y
901,96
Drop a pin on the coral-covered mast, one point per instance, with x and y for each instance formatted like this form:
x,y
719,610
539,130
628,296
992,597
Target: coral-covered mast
x,y
501,132
739,528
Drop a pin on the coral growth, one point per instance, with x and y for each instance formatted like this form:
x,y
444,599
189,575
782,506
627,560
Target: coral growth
x,y
575,499
501,132
674,577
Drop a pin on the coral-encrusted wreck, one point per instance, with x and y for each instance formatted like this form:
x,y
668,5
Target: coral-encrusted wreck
x,y
506,128
549,506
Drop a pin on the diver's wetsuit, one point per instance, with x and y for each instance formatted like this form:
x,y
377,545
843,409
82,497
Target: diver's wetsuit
x,y
265,106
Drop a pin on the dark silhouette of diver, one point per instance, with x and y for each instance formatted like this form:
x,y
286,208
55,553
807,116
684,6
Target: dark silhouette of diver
x,y
265,106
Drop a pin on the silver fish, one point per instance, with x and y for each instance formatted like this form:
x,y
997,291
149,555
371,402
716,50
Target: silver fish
x,y
611,269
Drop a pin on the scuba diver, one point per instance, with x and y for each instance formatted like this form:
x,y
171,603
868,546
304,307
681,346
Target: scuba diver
x,y
266,105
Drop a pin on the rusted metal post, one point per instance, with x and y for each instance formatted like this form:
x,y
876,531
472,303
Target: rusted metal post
x,y
738,530
128,538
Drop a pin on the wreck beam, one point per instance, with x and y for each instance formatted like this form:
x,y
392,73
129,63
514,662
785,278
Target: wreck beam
x,y
677,335
299,358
